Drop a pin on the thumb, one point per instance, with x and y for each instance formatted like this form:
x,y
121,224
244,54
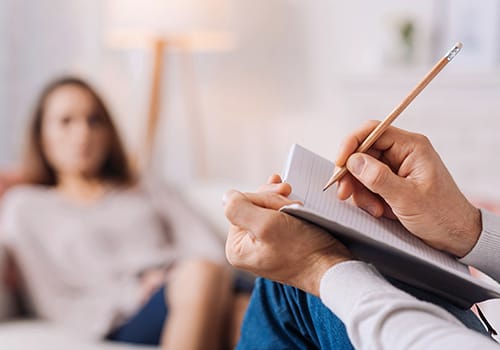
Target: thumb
x,y
375,175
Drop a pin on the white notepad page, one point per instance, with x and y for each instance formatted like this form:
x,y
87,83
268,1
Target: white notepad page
x,y
308,173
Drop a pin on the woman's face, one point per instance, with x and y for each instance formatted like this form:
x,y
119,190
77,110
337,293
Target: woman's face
x,y
75,139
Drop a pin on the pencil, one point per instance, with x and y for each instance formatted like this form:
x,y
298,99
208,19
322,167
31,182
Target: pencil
x,y
382,127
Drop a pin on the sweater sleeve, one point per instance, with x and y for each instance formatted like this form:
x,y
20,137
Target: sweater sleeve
x,y
193,236
485,255
377,315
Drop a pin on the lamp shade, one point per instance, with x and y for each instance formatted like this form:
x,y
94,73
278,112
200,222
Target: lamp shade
x,y
198,23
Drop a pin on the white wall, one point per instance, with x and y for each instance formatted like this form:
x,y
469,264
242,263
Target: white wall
x,y
302,71
50,38
5,144
331,61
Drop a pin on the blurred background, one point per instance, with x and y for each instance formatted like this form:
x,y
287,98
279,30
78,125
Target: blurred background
x,y
212,93
247,79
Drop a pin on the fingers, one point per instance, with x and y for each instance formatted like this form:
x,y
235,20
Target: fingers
x,y
388,212
363,198
270,200
352,142
395,144
255,212
345,187
274,179
367,200
283,189
242,212
346,184
376,176
275,184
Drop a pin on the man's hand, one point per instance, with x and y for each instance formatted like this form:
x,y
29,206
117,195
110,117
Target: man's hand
x,y
276,245
402,177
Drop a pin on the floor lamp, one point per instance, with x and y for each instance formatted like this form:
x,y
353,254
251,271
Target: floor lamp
x,y
161,27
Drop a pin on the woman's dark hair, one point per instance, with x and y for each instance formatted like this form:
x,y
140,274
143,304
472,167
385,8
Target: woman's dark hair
x,y
37,168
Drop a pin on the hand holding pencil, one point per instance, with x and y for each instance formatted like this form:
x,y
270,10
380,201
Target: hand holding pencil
x,y
400,176
379,130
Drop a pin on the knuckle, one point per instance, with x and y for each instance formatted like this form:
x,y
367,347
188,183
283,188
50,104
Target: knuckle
x,y
273,199
372,123
422,140
231,208
377,177
266,198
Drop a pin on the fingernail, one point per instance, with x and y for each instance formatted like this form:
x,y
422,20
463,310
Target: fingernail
x,y
356,163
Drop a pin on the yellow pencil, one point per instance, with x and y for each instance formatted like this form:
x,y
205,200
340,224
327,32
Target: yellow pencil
x,y
379,130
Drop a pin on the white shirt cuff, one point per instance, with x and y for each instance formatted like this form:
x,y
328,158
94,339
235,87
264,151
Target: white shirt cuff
x,y
345,284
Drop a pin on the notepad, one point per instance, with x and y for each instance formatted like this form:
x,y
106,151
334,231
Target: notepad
x,y
384,243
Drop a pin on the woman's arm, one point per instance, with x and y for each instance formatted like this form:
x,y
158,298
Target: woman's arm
x,y
377,315
193,237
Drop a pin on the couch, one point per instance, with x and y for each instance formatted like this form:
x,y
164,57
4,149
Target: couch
x,y
23,334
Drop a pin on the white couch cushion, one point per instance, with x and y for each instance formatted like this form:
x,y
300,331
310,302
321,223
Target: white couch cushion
x,y
35,334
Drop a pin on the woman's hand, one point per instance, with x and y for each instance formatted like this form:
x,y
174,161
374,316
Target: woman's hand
x,y
276,245
151,281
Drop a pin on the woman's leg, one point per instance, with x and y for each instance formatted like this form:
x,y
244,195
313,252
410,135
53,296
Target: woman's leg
x,y
236,315
199,296
146,326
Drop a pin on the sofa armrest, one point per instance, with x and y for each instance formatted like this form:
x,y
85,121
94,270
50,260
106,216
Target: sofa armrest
x,y
205,198
8,303
10,178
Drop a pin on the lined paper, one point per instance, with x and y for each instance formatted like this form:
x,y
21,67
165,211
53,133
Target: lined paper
x,y
308,173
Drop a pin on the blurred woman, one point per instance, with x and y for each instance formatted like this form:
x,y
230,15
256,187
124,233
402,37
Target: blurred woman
x,y
103,253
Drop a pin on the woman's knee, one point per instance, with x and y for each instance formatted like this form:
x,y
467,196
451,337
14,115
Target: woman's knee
x,y
199,269
197,278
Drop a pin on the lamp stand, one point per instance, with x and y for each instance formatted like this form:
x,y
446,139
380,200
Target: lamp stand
x,y
191,99
159,46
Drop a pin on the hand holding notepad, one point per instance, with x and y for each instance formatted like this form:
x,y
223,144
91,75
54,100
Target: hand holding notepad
x,y
385,243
